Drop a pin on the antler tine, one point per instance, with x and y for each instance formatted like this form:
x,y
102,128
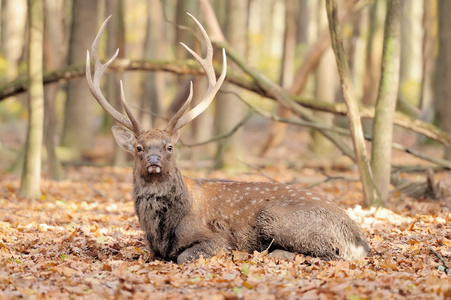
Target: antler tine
x,y
132,118
214,85
181,111
207,62
94,85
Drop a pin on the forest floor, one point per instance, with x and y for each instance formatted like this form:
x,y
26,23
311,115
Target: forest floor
x,y
81,239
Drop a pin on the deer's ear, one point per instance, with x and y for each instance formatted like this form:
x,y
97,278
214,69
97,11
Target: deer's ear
x,y
175,137
124,138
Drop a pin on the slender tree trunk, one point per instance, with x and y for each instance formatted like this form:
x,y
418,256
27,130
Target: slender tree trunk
x,y
443,73
116,40
229,109
371,195
13,19
310,61
411,55
53,58
78,132
325,89
30,181
429,43
182,35
373,57
278,129
386,100
154,85
289,44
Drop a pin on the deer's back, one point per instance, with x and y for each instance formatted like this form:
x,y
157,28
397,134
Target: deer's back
x,y
252,215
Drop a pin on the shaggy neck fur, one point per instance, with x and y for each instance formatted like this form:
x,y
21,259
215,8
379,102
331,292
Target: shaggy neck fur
x,y
161,201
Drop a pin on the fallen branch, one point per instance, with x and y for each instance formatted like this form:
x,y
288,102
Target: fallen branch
x,y
416,169
411,188
446,164
429,189
281,95
73,72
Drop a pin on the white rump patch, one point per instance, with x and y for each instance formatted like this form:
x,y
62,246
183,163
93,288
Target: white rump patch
x,y
352,252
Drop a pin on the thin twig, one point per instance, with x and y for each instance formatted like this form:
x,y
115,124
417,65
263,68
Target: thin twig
x,y
267,249
259,170
98,193
147,111
330,178
440,162
297,122
223,136
445,265
227,136
13,213
414,169
182,27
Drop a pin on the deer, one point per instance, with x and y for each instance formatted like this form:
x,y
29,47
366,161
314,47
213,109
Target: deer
x,y
184,218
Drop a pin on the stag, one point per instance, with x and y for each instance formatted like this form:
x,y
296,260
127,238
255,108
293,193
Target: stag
x,y
184,218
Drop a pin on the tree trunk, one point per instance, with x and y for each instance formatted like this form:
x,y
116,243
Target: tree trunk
x,y
201,126
386,100
154,85
116,40
30,181
289,45
229,109
371,195
429,43
310,61
53,58
411,56
325,88
13,19
443,73
278,129
78,132
373,58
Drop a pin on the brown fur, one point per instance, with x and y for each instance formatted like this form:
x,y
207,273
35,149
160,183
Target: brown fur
x,y
184,218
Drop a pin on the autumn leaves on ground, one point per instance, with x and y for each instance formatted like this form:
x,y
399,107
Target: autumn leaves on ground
x,y
82,240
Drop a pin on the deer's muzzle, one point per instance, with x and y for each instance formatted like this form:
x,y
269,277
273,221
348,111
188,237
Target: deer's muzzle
x,y
153,164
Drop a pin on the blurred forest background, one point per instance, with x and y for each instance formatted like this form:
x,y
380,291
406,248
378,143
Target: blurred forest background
x,y
286,40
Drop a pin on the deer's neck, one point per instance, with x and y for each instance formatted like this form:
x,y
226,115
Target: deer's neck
x,y
160,206
169,187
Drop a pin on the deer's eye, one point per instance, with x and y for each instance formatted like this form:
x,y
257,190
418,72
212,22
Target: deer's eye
x,y
139,148
169,147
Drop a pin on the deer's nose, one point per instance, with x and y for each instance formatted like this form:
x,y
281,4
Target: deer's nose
x,y
153,160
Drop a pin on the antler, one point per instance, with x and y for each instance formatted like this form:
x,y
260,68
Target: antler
x,y
214,85
178,120
94,85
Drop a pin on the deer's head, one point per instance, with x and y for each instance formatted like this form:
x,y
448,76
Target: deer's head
x,y
153,148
